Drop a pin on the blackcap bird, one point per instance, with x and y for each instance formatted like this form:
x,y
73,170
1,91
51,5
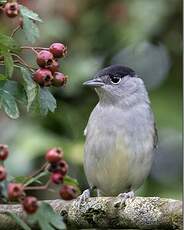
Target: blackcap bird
x,y
120,134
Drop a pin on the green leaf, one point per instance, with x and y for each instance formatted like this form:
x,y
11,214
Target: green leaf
x,y
30,29
9,104
46,218
11,87
2,77
8,61
25,12
18,220
46,101
24,180
71,181
36,179
16,90
8,44
29,86
20,179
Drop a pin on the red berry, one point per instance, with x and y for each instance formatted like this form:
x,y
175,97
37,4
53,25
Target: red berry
x,y
54,155
68,192
62,167
59,79
43,77
11,9
44,58
30,204
14,191
58,50
4,152
2,173
56,178
54,67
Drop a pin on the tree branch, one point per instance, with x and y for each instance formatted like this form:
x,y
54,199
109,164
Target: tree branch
x,y
100,212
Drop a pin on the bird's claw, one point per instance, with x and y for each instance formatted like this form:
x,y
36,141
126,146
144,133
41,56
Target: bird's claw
x,y
122,198
82,198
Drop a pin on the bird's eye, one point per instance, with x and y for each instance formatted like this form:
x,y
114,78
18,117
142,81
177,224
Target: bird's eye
x,y
115,80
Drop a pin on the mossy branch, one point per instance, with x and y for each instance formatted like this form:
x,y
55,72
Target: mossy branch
x,y
100,212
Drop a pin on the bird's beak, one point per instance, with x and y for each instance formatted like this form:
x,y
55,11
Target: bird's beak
x,y
96,82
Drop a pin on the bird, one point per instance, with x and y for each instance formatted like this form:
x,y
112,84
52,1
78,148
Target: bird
x,y
120,134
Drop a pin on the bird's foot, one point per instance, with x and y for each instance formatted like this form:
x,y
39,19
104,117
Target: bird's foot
x,y
82,198
122,198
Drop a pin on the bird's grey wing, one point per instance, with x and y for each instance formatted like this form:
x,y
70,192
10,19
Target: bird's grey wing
x,y
155,137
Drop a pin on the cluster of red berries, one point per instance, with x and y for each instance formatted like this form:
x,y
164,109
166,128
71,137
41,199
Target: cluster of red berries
x,y
47,59
11,9
58,168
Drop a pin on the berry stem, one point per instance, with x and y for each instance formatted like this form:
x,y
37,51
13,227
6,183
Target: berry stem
x,y
15,30
34,48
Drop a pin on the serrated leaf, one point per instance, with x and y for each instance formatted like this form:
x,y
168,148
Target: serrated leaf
x,y
46,218
25,12
29,86
9,104
46,101
8,44
18,220
8,61
30,29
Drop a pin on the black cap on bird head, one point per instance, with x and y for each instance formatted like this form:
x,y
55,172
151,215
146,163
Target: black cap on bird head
x,y
110,75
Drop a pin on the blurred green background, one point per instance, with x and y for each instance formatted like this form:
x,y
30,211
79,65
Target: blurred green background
x,y
143,34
